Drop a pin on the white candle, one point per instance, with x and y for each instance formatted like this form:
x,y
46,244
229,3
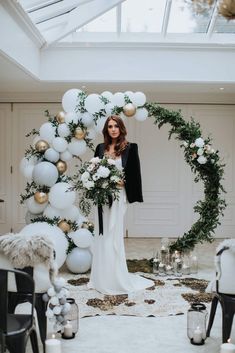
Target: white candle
x,y
68,330
197,335
227,348
53,345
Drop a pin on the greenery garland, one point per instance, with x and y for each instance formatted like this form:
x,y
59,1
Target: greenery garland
x,y
208,169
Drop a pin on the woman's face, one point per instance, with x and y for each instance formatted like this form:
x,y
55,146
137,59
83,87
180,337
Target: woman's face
x,y
113,129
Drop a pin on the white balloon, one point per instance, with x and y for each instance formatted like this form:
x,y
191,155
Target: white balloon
x,y
100,124
87,119
35,207
93,103
108,95
28,172
54,233
27,162
79,260
118,99
66,156
91,134
36,139
47,132
52,155
139,99
82,238
71,213
63,130
109,109
30,216
141,114
45,173
59,144
81,220
71,117
77,148
61,196
70,99
51,212
131,95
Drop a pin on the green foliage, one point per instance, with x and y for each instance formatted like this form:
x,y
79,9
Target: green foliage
x,y
210,171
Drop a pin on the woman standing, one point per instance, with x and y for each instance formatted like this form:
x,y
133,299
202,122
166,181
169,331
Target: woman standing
x,y
109,273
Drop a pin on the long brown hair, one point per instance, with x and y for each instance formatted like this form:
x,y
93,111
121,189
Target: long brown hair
x,y
121,142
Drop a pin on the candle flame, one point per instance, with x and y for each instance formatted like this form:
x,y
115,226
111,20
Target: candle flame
x,y
229,340
53,335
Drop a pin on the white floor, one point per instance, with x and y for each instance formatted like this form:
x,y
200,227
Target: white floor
x,y
115,334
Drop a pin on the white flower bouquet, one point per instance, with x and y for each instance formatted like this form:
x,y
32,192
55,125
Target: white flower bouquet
x,y
98,183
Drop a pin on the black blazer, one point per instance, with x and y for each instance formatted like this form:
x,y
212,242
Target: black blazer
x,y
131,166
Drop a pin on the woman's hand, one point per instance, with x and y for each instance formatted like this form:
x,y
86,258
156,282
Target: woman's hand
x,y
120,183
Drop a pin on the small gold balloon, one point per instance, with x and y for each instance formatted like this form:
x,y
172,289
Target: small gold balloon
x,y
60,117
61,167
40,197
79,133
64,226
129,109
42,146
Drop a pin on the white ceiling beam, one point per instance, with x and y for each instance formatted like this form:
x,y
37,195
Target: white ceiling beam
x,y
119,19
54,10
81,16
15,9
166,17
51,24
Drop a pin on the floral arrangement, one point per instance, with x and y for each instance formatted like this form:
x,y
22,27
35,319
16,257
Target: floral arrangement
x,y
98,183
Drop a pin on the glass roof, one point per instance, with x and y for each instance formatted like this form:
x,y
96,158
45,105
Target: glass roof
x,y
79,21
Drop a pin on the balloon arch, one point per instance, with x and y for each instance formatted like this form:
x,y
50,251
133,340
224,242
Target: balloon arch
x,y
48,195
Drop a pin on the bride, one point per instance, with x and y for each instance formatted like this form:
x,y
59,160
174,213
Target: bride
x,y
109,273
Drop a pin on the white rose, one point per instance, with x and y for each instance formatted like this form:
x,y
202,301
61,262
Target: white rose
x,y
89,184
185,144
192,145
200,152
85,176
95,177
91,167
115,178
103,172
105,185
202,160
199,142
95,160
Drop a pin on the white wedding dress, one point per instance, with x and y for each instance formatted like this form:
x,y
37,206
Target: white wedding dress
x,y
109,273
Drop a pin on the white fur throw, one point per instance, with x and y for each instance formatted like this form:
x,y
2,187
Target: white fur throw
x,y
23,251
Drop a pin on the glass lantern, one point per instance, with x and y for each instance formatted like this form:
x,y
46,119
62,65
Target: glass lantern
x,y
196,323
70,327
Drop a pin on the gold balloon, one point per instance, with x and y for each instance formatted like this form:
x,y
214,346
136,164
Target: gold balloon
x,y
42,146
40,197
61,167
60,117
64,226
87,225
129,109
79,133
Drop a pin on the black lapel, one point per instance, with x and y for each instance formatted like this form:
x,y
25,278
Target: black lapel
x,y
101,150
125,155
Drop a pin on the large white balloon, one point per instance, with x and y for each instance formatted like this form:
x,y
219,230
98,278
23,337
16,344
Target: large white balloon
x,y
109,108
27,162
139,99
71,213
70,99
51,212
100,124
108,95
61,196
91,134
52,155
66,156
59,144
79,260
118,99
82,238
77,147
87,119
71,117
47,132
54,233
63,130
130,95
141,114
34,207
45,173
93,103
